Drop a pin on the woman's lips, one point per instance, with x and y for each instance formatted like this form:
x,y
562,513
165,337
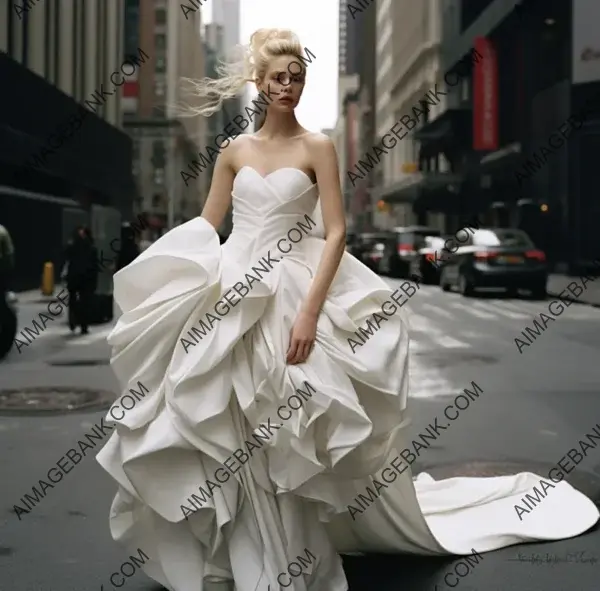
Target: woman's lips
x,y
286,99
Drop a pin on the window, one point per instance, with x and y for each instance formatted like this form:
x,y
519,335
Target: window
x,y
159,88
161,43
48,42
161,64
507,237
57,37
161,16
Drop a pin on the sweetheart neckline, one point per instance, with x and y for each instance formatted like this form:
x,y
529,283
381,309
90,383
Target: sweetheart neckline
x,y
265,177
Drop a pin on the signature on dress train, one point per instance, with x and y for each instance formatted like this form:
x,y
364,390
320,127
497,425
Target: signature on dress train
x,y
553,559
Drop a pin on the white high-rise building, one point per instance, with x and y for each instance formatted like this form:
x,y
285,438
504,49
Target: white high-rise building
x,y
227,14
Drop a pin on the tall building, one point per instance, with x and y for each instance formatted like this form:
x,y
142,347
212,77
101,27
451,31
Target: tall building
x,y
408,65
227,14
349,40
164,139
214,34
63,67
355,126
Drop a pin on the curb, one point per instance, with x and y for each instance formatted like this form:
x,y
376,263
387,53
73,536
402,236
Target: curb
x,y
574,300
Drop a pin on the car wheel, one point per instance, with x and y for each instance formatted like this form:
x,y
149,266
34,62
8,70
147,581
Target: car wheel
x,y
512,292
466,288
443,283
8,330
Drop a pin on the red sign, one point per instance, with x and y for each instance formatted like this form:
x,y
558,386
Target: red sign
x,y
485,97
130,89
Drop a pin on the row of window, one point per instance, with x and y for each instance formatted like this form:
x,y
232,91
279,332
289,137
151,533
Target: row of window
x,y
21,35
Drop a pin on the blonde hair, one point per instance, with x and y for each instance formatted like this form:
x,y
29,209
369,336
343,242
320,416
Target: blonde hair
x,y
265,44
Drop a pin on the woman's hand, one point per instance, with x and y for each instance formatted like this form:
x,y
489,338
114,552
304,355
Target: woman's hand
x,y
302,338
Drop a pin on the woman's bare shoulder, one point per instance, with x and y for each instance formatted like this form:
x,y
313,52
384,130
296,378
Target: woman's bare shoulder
x,y
233,147
317,139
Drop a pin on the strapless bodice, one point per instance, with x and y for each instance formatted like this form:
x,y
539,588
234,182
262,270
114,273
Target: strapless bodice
x,y
266,208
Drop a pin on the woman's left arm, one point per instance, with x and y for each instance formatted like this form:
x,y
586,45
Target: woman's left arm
x,y
326,168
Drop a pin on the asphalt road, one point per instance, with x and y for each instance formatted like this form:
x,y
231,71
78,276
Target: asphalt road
x,y
534,408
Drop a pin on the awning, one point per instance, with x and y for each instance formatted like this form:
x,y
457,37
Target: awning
x,y
449,124
410,189
509,157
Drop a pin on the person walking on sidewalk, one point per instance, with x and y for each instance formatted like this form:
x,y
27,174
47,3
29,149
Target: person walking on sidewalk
x,y
81,259
129,249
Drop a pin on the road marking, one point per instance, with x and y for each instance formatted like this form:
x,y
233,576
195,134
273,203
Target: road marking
x,y
425,382
499,309
473,311
438,310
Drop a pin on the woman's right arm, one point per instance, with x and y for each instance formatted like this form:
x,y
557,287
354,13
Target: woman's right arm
x,y
219,195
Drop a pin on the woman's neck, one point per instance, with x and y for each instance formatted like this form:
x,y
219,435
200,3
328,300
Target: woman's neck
x,y
280,125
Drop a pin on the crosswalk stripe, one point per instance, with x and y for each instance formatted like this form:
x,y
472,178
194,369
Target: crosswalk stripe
x,y
425,382
495,307
479,313
438,310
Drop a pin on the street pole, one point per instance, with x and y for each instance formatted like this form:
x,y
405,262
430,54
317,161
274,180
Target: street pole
x,y
171,185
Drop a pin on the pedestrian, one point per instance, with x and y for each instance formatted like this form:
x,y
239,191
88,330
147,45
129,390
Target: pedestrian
x,y
81,260
129,250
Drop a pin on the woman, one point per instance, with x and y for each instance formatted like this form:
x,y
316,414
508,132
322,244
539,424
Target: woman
x,y
263,421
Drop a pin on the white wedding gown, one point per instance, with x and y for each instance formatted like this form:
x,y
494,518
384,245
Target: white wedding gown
x,y
208,393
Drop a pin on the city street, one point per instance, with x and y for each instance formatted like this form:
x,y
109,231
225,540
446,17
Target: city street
x,y
534,408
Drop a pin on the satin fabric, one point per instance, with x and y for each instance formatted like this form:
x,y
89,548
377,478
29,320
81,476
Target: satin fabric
x,y
211,384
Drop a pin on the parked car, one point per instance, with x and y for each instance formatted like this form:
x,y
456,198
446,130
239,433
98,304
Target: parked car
x,y
8,322
363,246
380,250
351,240
422,263
406,239
496,257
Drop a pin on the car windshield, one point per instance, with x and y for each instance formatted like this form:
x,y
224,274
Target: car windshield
x,y
434,242
508,237
372,238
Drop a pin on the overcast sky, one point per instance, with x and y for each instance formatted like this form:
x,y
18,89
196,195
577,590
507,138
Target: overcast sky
x,y
316,23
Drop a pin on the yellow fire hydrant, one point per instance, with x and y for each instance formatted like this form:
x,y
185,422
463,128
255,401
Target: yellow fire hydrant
x,y
48,279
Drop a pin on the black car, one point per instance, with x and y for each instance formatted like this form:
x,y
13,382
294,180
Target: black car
x,y
407,241
495,257
426,263
365,249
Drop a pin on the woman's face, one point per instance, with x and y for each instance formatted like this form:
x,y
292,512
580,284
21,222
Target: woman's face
x,y
283,82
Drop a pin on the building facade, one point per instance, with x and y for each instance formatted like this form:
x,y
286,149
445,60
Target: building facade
x,y
355,125
165,137
63,68
408,67
521,134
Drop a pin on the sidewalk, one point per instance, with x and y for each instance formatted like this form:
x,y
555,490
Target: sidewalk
x,y
32,296
557,285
